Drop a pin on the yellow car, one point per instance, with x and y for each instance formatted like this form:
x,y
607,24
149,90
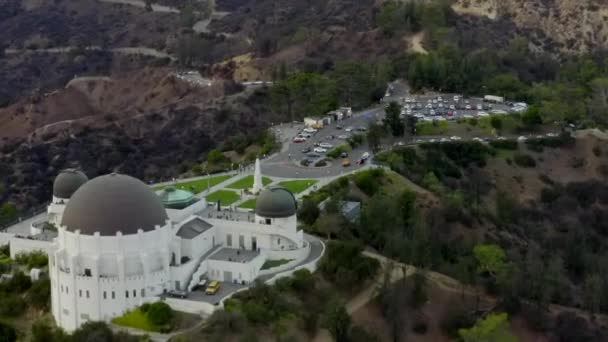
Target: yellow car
x,y
213,287
346,163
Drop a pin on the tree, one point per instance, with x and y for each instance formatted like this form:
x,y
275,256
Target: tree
x,y
374,135
39,294
593,288
187,17
93,331
42,331
308,212
354,82
490,259
7,333
496,122
338,321
392,298
329,224
392,120
148,5
598,104
215,156
160,313
494,328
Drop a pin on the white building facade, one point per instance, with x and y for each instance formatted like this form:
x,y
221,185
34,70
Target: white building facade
x,y
116,248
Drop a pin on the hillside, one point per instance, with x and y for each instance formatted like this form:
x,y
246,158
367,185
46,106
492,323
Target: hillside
x,y
569,26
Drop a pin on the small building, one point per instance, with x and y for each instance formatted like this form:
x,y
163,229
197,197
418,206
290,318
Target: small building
x,y
341,113
318,122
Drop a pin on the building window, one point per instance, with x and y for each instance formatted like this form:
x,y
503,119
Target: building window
x,y
127,293
229,240
105,295
87,272
66,312
87,293
84,317
134,293
113,295
80,293
61,288
242,241
143,292
268,221
67,290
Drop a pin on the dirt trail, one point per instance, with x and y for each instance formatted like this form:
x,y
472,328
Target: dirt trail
x,y
415,43
142,4
139,50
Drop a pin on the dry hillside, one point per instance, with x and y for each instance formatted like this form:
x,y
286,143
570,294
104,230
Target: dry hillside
x,y
568,25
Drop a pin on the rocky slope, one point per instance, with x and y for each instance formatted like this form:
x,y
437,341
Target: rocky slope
x,y
568,26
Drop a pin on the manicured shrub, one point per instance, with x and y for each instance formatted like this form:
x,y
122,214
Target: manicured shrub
x,y
160,313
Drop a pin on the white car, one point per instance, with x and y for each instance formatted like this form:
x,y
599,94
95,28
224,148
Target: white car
x,y
477,139
479,107
348,129
325,145
522,138
432,112
456,98
440,118
452,107
498,111
309,130
444,140
482,114
320,150
440,99
551,135
455,138
432,140
365,156
408,112
467,116
343,136
435,101
467,107
440,105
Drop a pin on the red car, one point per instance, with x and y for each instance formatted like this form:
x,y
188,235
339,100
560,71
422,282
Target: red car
x,y
299,140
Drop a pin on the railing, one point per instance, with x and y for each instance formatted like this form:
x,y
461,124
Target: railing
x,y
24,216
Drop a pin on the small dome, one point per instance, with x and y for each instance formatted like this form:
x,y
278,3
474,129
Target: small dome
x,y
67,182
112,203
174,198
276,202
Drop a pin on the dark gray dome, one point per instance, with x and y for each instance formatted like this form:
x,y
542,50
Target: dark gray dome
x,y
112,203
67,182
276,202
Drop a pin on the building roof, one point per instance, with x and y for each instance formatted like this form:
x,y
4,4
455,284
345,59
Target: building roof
x,y
176,198
67,182
193,228
276,202
112,203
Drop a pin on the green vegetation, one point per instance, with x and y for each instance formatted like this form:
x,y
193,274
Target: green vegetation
x,y
8,213
248,204
36,259
275,263
495,327
199,185
155,317
432,128
297,186
338,150
247,182
524,160
225,197
344,264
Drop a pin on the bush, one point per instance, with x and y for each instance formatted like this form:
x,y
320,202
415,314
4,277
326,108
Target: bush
x,y
344,264
39,295
548,195
303,281
496,122
369,181
36,259
11,305
524,160
160,313
505,144
7,333
456,318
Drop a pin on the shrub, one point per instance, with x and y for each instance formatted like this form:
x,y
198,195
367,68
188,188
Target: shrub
x,y
35,259
455,318
549,195
159,313
369,181
39,295
7,333
144,307
496,122
505,144
524,160
303,280
11,305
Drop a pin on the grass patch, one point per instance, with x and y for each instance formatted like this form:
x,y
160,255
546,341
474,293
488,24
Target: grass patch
x,y
136,319
226,197
297,186
247,183
275,263
432,128
248,204
199,185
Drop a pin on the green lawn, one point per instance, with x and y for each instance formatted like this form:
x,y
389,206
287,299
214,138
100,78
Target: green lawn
x,y
226,197
136,319
432,128
248,204
198,186
247,183
297,186
275,263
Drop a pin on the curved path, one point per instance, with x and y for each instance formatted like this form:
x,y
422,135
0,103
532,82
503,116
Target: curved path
x,y
136,50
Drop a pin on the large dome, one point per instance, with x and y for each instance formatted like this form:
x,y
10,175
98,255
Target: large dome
x,y
112,203
276,202
67,182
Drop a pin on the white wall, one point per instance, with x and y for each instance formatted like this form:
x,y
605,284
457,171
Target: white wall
x,y
22,245
5,238
246,272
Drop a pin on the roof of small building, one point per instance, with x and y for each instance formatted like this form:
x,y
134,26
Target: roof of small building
x,y
276,202
67,182
112,203
193,228
176,198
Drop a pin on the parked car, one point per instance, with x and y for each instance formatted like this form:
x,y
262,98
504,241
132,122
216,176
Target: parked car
x,y
361,129
309,130
178,294
305,135
467,107
326,145
345,163
455,138
349,129
213,287
339,127
320,150
299,139
343,136
306,149
313,155
365,156
343,154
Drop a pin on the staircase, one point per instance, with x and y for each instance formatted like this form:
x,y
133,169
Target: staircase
x,y
200,270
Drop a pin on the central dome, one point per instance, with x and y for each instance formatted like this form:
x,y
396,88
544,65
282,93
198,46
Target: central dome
x,y
113,203
276,202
